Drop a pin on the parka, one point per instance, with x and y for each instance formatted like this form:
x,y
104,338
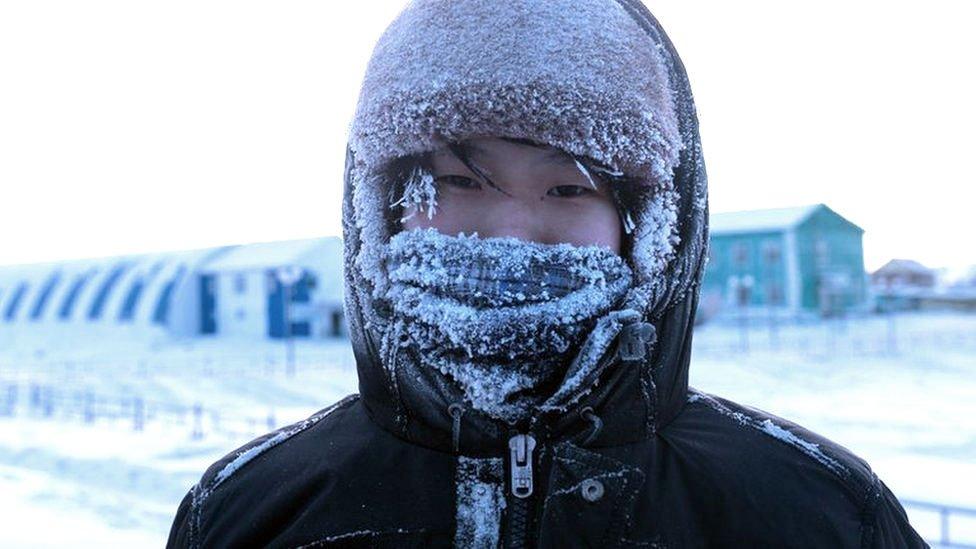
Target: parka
x,y
634,457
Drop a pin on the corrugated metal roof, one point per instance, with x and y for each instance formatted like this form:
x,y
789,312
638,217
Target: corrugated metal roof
x,y
753,221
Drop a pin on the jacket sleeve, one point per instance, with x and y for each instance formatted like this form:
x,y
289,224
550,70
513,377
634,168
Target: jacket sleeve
x,y
890,528
179,533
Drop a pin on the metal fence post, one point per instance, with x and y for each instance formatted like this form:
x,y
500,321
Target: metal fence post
x,y
197,421
35,396
48,401
89,407
944,516
138,414
10,404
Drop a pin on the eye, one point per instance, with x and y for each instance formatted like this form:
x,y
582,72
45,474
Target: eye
x,y
569,191
459,181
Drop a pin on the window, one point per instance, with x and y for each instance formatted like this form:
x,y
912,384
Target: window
x,y
822,251
240,283
740,254
772,253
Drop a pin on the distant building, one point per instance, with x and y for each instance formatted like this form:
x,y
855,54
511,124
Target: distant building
x,y
228,290
244,295
903,284
801,260
968,278
903,273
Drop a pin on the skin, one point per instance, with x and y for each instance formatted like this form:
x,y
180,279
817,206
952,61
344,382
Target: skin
x,y
542,197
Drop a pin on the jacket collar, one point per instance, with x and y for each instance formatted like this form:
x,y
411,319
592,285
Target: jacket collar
x,y
628,401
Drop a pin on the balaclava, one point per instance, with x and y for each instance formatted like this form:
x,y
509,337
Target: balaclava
x,y
595,78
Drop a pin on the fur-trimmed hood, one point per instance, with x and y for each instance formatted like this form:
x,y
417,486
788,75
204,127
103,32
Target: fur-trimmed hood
x,y
597,78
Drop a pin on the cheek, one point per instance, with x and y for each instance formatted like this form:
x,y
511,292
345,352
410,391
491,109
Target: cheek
x,y
591,224
452,215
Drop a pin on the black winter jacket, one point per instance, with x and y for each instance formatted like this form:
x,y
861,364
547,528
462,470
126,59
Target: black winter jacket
x,y
716,475
640,460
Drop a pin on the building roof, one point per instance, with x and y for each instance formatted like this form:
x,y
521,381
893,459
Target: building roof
x,y
754,221
126,287
904,266
264,255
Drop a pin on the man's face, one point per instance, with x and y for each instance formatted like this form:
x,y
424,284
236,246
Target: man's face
x,y
542,196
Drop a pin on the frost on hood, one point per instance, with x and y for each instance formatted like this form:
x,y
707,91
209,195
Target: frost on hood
x,y
501,317
622,99
480,501
613,101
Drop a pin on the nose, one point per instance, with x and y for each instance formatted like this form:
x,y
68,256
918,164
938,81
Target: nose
x,y
515,216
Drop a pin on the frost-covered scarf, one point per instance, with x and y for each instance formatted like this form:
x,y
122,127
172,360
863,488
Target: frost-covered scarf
x,y
501,317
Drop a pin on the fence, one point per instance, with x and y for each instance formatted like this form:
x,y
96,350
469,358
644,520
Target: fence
x,y
858,336
45,401
141,366
945,514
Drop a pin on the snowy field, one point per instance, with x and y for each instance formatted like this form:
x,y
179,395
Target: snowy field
x,y
101,434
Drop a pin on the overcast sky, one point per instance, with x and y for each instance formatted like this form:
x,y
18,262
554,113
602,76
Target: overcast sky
x,y
130,126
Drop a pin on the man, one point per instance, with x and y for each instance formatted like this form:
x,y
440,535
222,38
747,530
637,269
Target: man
x,y
525,224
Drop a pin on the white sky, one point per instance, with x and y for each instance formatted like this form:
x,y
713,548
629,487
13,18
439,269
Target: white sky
x,y
131,126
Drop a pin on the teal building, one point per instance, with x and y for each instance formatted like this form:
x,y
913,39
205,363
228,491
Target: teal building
x,y
800,260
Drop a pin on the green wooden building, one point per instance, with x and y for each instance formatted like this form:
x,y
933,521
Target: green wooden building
x,y
800,260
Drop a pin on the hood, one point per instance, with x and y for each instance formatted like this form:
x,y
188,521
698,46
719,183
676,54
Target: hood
x,y
597,78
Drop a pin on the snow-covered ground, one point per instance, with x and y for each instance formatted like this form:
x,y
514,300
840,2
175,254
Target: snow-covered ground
x,y
102,433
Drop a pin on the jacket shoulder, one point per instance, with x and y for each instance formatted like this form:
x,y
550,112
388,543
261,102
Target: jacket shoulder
x,y
327,479
776,437
231,465
776,471
228,474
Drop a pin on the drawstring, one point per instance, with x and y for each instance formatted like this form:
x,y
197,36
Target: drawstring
x,y
634,338
456,410
588,414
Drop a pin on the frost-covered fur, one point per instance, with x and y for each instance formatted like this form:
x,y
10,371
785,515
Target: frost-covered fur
x,y
597,78
501,317
580,75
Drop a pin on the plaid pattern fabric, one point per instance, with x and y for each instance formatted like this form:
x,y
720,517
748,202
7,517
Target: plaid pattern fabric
x,y
499,318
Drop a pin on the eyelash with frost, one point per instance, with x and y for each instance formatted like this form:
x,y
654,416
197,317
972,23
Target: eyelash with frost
x,y
419,190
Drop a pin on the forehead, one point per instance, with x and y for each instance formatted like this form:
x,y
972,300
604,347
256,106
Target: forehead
x,y
495,150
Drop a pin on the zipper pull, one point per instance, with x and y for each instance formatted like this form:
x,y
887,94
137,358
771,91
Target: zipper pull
x,y
521,448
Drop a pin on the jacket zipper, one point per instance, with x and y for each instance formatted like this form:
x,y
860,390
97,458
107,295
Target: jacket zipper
x,y
522,447
521,454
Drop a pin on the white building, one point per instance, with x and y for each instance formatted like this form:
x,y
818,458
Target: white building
x,y
244,294
229,290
